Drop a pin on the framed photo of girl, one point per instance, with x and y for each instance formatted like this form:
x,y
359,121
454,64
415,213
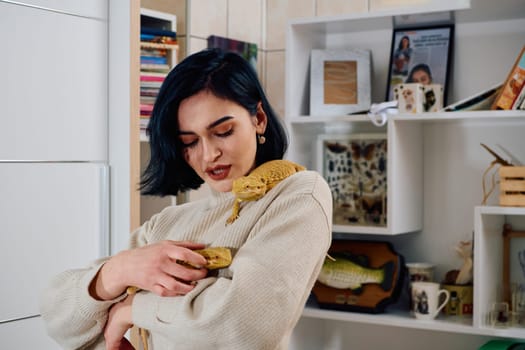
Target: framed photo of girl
x,y
420,55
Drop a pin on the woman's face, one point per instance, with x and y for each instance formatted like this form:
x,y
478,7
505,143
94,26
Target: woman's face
x,y
420,76
404,43
219,138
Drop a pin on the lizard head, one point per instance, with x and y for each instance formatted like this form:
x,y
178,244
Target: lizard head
x,y
248,188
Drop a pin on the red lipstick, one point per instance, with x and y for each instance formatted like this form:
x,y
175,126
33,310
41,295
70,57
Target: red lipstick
x,y
219,172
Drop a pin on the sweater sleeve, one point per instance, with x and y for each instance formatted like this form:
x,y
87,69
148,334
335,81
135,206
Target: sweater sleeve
x,y
72,316
273,273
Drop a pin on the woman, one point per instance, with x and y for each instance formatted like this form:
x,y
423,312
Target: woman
x,y
402,56
211,123
420,73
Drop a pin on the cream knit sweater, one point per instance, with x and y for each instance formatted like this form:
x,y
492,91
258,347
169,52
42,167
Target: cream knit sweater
x,y
280,242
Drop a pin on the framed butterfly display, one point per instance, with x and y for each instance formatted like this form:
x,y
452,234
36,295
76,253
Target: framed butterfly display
x,y
355,167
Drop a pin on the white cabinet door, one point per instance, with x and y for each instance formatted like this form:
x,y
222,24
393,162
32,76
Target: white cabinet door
x,y
53,217
53,85
91,8
25,335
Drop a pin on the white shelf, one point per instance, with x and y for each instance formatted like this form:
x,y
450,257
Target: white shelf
x,y
477,30
435,163
359,229
489,222
497,210
480,26
150,205
488,115
454,324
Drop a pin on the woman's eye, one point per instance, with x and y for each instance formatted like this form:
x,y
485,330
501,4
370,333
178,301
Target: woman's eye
x,y
188,143
225,133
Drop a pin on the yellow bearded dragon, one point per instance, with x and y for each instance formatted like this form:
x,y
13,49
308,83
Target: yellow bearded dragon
x,y
259,181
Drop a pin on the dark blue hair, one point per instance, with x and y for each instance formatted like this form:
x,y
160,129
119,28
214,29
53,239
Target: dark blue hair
x,y
226,75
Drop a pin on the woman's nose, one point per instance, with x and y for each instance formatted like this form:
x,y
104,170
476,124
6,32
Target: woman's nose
x,y
210,151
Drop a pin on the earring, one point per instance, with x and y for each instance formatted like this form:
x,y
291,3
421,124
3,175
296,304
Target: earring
x,y
261,139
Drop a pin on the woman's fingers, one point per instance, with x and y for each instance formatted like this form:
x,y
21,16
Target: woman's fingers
x,y
184,251
167,267
183,270
170,286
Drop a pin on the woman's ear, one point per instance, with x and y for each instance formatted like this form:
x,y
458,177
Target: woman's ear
x,y
261,119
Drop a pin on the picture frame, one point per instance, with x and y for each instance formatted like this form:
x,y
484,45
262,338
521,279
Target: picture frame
x,y
416,53
340,81
513,266
354,167
246,50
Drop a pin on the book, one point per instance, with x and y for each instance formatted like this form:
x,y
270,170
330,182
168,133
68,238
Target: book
x,y
512,85
519,102
245,49
155,67
153,78
522,106
153,74
153,60
480,101
157,32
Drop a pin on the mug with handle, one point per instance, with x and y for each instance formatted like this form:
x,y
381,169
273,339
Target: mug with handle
x,y
426,299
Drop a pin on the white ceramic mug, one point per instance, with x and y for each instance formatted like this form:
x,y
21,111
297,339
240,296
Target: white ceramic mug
x,y
426,303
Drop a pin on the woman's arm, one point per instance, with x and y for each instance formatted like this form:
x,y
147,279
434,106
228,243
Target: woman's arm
x,y
75,305
72,317
273,273
153,267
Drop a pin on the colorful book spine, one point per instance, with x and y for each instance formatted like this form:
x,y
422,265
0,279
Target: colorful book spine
x,y
519,102
149,77
157,32
512,85
153,60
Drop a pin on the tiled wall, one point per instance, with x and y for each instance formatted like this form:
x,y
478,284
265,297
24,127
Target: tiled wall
x,y
262,22
258,21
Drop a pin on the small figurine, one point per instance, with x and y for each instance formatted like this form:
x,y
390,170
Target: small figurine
x,y
464,249
464,275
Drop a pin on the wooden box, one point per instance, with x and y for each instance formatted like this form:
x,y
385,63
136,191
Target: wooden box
x,y
512,186
461,300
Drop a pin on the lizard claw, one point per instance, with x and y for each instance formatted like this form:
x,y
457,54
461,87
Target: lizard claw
x,y
231,219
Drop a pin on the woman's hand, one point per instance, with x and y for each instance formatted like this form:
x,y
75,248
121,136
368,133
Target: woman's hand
x,y
156,267
119,321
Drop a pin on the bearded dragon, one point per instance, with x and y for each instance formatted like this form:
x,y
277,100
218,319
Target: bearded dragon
x,y
259,181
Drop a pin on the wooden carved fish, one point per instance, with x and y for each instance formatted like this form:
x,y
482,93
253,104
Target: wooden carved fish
x,y
344,270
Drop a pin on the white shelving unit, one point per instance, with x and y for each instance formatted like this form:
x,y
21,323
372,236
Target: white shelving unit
x,y
150,205
161,20
435,162
489,221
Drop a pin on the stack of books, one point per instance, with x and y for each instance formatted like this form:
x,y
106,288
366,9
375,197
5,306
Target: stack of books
x,y
156,47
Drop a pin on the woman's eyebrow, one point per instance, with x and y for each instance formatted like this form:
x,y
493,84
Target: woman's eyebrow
x,y
211,126
219,121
